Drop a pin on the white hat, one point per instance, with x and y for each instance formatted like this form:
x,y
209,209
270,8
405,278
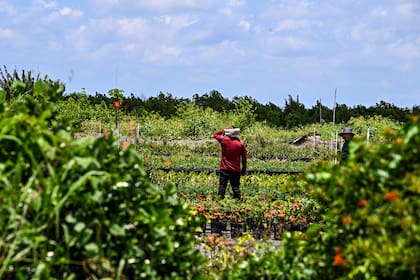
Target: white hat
x,y
232,132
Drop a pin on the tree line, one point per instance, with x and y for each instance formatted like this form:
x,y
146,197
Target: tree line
x,y
293,114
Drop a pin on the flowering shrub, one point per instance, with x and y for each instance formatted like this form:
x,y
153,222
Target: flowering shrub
x,y
372,204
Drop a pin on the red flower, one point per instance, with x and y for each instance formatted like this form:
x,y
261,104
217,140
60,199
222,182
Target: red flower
x,y
125,144
346,220
338,260
218,216
117,104
391,196
269,214
362,203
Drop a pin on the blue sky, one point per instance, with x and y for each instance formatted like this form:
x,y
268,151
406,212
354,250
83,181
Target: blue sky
x,y
369,50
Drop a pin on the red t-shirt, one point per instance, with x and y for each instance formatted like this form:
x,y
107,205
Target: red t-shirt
x,y
233,152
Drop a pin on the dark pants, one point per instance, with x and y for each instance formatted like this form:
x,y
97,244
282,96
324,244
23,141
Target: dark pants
x,y
234,178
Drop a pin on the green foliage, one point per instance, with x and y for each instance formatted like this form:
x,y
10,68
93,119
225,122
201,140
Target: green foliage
x,y
197,121
15,85
371,222
116,94
244,113
79,109
373,203
83,209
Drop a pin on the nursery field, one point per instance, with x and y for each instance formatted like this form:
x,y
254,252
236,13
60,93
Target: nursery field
x,y
136,198
269,200
283,206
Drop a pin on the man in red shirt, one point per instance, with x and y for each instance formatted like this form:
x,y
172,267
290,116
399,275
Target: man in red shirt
x,y
233,154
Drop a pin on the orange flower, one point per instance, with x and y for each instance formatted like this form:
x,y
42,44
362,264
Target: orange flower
x,y
200,208
391,196
362,202
346,220
218,216
132,123
117,104
281,215
167,163
338,260
248,209
125,144
269,214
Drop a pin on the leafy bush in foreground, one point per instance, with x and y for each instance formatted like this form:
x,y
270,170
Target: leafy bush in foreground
x,y
373,203
85,209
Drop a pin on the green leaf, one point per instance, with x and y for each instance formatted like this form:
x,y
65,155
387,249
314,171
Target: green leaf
x,y
92,248
70,219
117,230
86,162
79,227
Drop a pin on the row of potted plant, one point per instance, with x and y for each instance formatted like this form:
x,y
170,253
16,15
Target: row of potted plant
x,y
262,216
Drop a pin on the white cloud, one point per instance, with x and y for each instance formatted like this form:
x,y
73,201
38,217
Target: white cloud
x,y
7,8
245,25
78,39
129,27
292,24
168,5
405,49
404,67
236,3
275,46
58,15
130,48
180,21
66,11
357,32
103,51
380,12
164,55
407,9
372,34
223,54
226,12
45,4
6,33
